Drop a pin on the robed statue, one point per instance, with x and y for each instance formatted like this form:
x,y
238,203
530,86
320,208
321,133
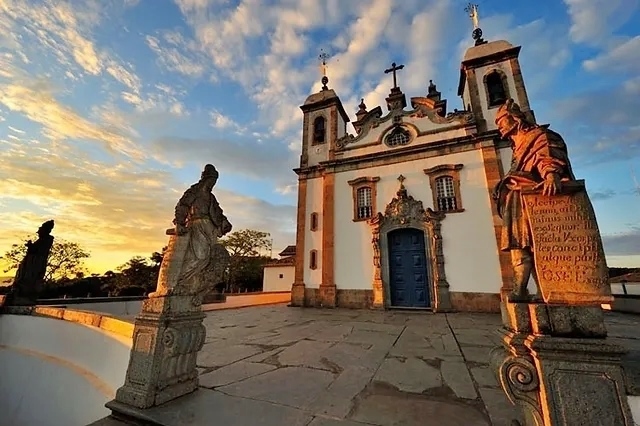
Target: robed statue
x,y
540,161
27,283
194,260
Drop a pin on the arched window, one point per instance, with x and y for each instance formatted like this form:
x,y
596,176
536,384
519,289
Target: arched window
x,y
496,90
313,259
397,137
314,221
319,130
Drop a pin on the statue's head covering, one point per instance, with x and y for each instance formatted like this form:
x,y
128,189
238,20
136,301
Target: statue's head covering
x,y
48,226
510,108
209,172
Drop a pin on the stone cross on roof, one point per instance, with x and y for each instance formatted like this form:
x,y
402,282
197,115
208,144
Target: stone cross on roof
x,y
393,69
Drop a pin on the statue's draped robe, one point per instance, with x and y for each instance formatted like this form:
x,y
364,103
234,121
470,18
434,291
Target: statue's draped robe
x,y
205,220
31,271
538,152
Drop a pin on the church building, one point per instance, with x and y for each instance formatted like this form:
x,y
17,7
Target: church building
x,y
400,214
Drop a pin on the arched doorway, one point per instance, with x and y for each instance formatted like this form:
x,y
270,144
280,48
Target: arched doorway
x,y
408,272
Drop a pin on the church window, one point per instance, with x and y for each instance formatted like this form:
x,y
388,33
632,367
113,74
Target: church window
x,y
445,187
397,137
496,87
313,259
314,221
319,130
445,193
281,276
365,207
364,197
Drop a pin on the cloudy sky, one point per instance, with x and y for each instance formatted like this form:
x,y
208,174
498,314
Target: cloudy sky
x,y
109,109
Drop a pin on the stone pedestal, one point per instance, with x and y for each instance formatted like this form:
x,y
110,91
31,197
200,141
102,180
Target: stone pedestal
x,y
297,294
556,364
167,336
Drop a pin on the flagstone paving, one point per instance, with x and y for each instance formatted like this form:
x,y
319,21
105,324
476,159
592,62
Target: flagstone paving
x,y
352,367
275,366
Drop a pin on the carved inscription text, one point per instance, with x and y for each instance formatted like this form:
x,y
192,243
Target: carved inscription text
x,y
568,251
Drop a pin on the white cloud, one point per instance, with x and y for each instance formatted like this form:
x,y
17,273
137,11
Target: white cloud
x,y
593,21
624,57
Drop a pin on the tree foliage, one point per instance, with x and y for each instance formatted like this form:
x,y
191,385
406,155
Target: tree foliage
x,y
66,259
246,263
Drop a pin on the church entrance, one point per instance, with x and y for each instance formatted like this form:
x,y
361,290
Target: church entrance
x,y
408,280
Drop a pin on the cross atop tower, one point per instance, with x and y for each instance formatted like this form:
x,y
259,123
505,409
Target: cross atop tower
x,y
393,69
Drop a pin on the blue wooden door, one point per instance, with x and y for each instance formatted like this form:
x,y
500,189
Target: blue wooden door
x,y
408,269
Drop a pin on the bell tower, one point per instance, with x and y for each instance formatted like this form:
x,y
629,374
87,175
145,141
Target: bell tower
x,y
489,75
324,122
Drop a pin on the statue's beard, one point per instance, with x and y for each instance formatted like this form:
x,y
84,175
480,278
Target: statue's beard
x,y
510,131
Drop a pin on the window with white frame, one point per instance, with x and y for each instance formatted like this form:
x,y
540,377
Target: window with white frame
x,y
365,204
446,194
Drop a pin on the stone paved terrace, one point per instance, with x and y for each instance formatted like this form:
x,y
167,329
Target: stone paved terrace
x,y
277,365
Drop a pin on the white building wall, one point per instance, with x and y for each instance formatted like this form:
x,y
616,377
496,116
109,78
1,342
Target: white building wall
x,y
490,113
471,260
505,157
278,278
313,239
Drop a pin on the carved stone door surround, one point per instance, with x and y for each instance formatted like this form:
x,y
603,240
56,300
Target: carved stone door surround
x,y
406,212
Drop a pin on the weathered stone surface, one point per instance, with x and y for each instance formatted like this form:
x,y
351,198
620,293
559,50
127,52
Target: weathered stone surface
x,y
569,256
501,411
456,376
484,377
201,407
581,381
516,317
292,386
476,354
304,353
319,421
233,373
568,321
337,401
213,355
409,375
386,407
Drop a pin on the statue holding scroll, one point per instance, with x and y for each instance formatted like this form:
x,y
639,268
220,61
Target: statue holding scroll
x,y
539,184
194,260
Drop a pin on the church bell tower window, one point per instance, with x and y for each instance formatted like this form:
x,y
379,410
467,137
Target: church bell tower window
x,y
496,87
319,130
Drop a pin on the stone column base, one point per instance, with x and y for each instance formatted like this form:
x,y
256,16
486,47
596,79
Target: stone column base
x,y
167,336
557,366
327,296
297,294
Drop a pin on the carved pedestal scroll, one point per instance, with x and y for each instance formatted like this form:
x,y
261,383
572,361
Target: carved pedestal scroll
x,y
406,212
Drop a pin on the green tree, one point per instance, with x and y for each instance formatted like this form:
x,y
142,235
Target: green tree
x,y
244,245
66,259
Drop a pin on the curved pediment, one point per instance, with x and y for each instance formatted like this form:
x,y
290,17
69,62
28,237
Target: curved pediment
x,y
422,108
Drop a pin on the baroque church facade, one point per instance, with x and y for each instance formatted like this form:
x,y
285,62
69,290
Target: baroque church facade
x,y
401,214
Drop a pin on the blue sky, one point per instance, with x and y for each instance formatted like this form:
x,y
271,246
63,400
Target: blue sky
x,y
109,110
